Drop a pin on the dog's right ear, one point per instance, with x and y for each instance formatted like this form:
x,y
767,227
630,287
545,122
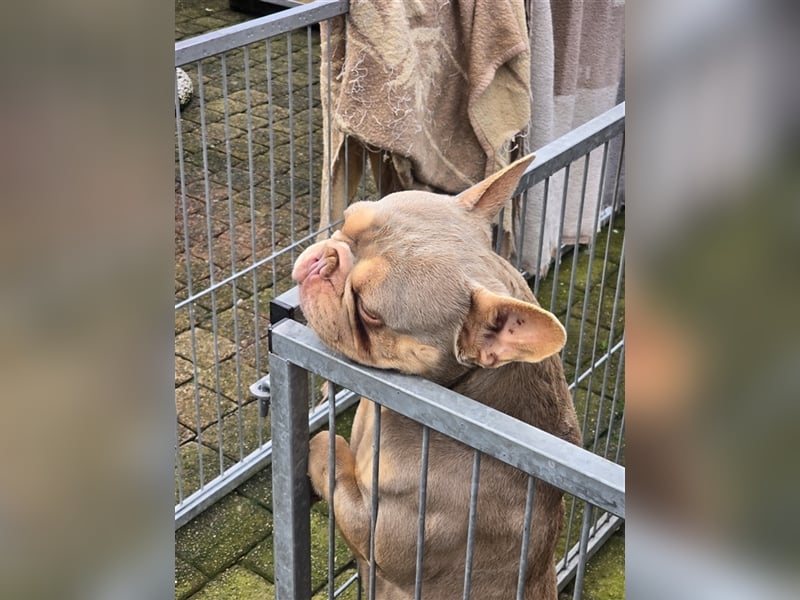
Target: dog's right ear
x,y
490,195
501,329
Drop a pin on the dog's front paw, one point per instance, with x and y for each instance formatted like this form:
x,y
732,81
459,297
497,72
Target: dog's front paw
x,y
318,462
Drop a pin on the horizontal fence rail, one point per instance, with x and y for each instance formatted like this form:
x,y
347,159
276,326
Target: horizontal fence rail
x,y
562,151
236,36
546,457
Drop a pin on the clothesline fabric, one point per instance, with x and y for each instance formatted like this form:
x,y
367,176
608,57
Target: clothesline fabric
x,y
436,95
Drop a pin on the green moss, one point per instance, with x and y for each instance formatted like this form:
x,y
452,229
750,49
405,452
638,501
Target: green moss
x,y
236,583
259,488
187,470
187,579
222,534
605,572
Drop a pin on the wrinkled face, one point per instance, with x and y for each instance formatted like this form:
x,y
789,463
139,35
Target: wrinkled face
x,y
411,283
391,288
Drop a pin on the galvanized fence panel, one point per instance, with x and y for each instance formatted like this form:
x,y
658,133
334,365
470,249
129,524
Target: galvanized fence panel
x,y
248,164
585,287
583,474
248,159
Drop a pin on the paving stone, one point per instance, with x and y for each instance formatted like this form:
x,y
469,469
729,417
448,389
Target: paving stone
x,y
261,558
193,206
215,539
187,579
589,419
197,270
199,112
219,132
204,347
239,177
209,23
259,488
181,291
188,467
351,593
211,405
245,149
236,583
227,106
236,443
184,315
184,371
233,246
185,434
243,319
247,356
269,165
226,375
243,121
190,29
603,578
217,299
255,96
197,229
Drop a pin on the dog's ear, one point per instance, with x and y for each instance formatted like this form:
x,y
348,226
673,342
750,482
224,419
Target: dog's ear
x,y
500,329
490,195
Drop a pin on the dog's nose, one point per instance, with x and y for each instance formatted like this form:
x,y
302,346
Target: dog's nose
x,y
324,259
325,263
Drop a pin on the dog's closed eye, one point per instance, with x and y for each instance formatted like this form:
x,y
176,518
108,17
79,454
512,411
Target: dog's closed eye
x,y
369,317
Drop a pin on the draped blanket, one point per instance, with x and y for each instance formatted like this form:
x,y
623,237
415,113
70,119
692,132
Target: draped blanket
x,y
433,92
577,50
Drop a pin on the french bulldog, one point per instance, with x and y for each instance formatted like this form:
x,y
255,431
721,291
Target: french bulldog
x,y
410,283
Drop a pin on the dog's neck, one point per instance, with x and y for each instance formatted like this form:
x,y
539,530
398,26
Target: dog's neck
x,y
534,393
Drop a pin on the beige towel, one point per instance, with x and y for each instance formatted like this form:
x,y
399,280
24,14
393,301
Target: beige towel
x,y
433,90
577,51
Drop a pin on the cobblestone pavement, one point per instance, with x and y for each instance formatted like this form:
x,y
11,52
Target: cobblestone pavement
x,y
248,159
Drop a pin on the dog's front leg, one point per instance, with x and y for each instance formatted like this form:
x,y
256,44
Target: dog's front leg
x,y
351,509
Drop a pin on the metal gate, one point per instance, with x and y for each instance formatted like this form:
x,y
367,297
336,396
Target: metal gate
x,y
248,158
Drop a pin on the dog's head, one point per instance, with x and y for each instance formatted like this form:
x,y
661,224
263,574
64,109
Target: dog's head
x,y
411,283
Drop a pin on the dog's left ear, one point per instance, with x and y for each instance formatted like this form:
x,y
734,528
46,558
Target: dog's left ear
x,y
490,195
500,329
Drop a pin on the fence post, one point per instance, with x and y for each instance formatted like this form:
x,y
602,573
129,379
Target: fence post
x,y
290,488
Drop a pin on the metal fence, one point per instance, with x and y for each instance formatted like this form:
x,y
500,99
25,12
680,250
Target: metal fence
x,y
248,161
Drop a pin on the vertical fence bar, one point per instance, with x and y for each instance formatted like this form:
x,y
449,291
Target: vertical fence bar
x,y
232,229
291,495
373,523
522,228
331,487
570,521
327,119
561,219
540,247
586,296
588,510
271,140
292,206
526,538
620,369
311,173
473,514
576,250
607,366
621,437
251,188
423,498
